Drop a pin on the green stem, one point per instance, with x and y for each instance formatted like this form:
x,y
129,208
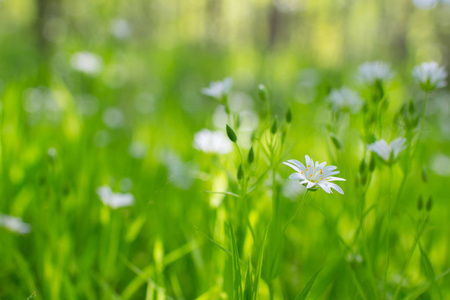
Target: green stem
x,y
424,107
388,234
420,230
300,206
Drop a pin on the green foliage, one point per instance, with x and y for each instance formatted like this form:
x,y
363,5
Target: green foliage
x,y
223,221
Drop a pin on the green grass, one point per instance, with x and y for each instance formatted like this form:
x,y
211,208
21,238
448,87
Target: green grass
x,y
206,226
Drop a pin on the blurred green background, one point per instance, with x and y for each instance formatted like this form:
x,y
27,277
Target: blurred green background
x,y
114,87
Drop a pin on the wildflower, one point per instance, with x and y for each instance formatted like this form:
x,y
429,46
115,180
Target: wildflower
x,y
345,100
113,117
371,72
315,175
137,150
218,89
114,200
440,164
51,152
14,224
87,62
120,29
430,76
212,142
388,153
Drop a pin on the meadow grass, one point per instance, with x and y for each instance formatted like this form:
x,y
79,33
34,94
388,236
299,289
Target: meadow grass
x,y
137,179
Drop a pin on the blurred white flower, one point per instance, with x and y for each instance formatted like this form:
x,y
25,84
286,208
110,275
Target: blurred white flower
x,y
371,72
120,28
218,89
212,142
430,76
425,4
113,117
389,153
114,200
137,150
51,152
14,224
345,100
180,173
41,105
354,258
440,164
315,175
87,62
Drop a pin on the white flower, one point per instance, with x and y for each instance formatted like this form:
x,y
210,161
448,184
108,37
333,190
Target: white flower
x,y
114,200
87,62
14,224
113,117
212,142
120,28
371,72
315,175
388,153
430,76
218,89
345,100
137,150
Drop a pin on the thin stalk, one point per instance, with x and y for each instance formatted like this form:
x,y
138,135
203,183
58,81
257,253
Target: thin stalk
x,y
424,107
300,206
420,230
388,234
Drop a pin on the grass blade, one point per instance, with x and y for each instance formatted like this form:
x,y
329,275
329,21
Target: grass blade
x,y
307,288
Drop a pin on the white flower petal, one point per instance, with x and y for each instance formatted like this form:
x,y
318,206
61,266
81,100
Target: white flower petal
x,y
336,187
331,178
292,166
325,188
296,176
297,163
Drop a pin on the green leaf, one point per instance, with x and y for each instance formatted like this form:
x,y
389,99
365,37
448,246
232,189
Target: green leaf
x,y
307,288
251,156
429,274
289,115
248,293
274,127
236,265
259,266
231,134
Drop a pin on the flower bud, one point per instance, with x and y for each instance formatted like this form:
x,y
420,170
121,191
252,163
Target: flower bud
x,y
429,203
420,203
424,174
274,127
289,115
240,173
231,134
251,155
262,93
